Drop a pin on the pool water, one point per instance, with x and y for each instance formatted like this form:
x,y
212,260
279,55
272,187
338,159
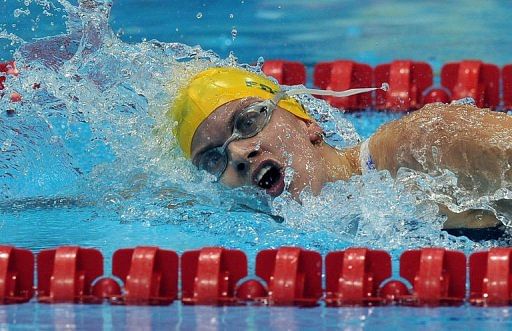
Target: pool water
x,y
83,161
178,317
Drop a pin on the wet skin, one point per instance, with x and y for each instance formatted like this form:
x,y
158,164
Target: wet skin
x,y
286,141
469,141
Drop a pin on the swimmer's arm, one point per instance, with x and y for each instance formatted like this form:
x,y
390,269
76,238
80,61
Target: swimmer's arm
x,y
473,143
474,219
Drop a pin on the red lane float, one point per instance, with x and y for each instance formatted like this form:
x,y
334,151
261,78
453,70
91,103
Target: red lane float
x,y
293,275
407,81
9,68
209,275
436,95
66,274
475,79
507,86
288,276
149,274
490,277
353,276
286,72
410,82
438,276
16,275
343,75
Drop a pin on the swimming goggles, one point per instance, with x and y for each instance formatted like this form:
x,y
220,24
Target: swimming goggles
x,y
253,119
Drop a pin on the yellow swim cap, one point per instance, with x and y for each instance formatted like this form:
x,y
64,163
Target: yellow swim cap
x,y
215,87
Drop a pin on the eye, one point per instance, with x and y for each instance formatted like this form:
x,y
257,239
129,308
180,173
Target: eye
x,y
251,122
213,161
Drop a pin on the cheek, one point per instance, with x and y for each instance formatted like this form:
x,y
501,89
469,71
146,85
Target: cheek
x,y
230,179
288,138
290,147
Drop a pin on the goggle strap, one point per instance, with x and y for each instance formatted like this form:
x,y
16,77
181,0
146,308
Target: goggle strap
x,y
230,139
278,96
346,93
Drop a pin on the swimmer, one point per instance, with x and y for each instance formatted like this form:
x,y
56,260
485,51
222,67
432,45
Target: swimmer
x,y
240,127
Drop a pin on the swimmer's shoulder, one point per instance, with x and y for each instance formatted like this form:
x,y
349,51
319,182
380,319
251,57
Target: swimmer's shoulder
x,y
393,144
434,124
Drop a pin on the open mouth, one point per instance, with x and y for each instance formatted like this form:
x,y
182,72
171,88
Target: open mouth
x,y
269,177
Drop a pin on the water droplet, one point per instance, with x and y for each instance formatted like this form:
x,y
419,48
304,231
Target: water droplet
x,y
234,32
18,12
260,61
199,15
233,60
231,16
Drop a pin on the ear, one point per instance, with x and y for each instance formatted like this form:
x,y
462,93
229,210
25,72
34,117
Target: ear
x,y
315,132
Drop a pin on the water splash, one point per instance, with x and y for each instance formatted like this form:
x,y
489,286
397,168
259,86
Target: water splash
x,y
93,125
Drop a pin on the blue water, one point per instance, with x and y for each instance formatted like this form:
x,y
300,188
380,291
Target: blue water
x,y
80,163
177,317
372,32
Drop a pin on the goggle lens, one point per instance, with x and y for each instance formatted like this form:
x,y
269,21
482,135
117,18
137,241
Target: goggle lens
x,y
251,121
213,161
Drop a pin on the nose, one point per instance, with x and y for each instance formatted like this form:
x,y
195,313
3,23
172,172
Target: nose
x,y
241,153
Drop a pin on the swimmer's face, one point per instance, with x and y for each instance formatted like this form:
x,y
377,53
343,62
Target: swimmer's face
x,y
286,142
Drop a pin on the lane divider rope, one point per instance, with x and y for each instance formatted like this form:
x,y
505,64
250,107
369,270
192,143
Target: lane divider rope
x,y
287,276
410,83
